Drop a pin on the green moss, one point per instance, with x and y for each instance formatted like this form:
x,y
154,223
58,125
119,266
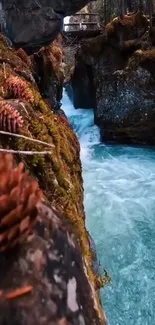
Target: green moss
x,y
36,127
59,173
43,106
103,280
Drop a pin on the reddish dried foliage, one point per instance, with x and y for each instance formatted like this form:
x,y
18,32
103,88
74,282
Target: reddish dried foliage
x,y
64,120
57,53
19,196
10,119
22,54
18,88
58,41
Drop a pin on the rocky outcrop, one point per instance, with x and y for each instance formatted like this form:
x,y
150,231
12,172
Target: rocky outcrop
x,y
123,77
125,111
31,24
51,265
49,72
127,28
55,266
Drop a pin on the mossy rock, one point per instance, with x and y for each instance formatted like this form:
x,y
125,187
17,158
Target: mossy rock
x,y
58,172
127,27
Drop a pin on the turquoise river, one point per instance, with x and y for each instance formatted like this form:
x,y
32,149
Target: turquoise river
x,y
119,185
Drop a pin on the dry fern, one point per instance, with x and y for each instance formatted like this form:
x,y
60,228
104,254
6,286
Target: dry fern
x,y
55,57
64,120
58,41
57,53
19,196
10,119
19,88
22,54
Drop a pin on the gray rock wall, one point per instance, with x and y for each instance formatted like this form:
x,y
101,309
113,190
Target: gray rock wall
x,y
33,23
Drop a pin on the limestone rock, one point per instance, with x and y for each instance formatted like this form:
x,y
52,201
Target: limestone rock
x,y
121,62
52,264
31,24
125,107
49,73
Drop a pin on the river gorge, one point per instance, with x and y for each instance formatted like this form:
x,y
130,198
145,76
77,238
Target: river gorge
x,y
77,164
119,186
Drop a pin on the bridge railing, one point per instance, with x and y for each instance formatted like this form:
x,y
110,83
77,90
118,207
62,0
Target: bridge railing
x,y
82,23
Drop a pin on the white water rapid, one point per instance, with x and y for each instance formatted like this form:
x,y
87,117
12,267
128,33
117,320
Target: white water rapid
x,y
119,184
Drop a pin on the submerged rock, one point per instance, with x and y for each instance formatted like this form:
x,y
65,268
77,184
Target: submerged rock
x,y
57,260
123,80
31,24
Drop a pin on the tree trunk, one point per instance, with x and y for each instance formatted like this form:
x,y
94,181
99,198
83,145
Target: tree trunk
x,y
105,12
129,6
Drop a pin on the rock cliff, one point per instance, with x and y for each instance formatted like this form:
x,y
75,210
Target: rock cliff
x,y
55,266
119,80
31,24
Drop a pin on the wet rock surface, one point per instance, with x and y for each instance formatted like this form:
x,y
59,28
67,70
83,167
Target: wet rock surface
x,y
82,83
52,264
123,78
126,110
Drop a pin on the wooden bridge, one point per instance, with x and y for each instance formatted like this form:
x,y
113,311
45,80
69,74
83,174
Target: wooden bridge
x,y
84,25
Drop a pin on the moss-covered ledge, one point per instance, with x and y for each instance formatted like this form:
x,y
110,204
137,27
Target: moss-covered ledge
x,y
24,111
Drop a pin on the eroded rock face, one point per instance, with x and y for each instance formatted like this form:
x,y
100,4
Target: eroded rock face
x,y
123,77
31,24
58,259
125,111
49,73
52,264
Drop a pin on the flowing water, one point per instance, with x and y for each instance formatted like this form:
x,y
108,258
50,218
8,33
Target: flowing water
x,y
119,184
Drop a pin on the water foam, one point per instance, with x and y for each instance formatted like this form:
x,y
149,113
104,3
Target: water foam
x,y
119,184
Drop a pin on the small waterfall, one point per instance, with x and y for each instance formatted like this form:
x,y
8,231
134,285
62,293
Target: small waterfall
x,y
82,121
119,188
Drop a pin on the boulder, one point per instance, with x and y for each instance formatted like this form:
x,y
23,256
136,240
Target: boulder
x,y
52,265
31,24
125,108
122,62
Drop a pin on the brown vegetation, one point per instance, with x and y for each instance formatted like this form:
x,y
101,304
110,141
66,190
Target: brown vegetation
x,y
19,196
